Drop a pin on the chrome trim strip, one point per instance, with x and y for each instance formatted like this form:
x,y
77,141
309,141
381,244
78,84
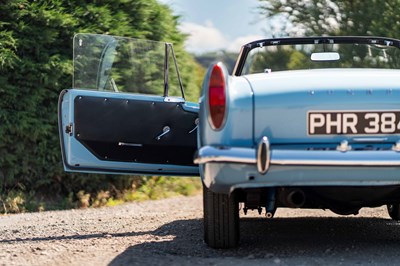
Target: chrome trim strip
x,y
335,158
173,99
210,154
369,139
130,144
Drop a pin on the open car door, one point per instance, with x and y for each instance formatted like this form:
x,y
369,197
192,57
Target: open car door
x,y
126,112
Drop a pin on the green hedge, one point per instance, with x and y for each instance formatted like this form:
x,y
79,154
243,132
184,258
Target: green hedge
x,y
36,64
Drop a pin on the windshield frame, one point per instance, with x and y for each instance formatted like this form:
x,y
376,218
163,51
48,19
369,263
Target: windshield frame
x,y
245,50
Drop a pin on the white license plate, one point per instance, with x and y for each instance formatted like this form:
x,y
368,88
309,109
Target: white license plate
x,y
353,122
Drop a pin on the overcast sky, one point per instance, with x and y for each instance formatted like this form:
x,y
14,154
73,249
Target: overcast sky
x,y
218,24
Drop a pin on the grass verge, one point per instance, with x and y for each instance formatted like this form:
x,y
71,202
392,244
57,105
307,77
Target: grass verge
x,y
141,188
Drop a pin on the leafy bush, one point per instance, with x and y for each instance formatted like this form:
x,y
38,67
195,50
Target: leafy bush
x,y
36,64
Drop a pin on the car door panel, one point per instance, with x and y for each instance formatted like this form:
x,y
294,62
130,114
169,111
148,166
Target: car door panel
x,y
120,132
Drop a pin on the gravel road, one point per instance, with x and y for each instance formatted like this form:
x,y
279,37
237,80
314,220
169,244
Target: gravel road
x,y
169,232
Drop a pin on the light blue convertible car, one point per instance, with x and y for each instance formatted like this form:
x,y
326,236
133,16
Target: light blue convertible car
x,y
301,123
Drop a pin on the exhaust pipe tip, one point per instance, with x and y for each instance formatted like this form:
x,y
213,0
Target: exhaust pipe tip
x,y
269,215
296,198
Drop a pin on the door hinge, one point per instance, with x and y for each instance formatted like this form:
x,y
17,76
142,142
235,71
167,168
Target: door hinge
x,y
68,129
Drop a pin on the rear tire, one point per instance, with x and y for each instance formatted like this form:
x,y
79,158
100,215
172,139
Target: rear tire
x,y
394,211
221,219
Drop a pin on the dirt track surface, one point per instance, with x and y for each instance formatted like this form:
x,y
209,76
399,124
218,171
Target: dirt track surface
x,y
169,232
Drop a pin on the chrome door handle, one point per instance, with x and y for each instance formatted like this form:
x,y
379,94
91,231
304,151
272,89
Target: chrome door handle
x,y
166,130
191,131
196,122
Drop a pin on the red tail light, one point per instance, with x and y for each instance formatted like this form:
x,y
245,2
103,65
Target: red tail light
x,y
217,96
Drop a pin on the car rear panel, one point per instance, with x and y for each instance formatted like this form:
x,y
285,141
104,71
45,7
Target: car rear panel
x,y
284,101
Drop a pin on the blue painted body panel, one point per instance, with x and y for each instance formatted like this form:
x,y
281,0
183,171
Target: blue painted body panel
x,y
238,127
275,105
282,99
238,130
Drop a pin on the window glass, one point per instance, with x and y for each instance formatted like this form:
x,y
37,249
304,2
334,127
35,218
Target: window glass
x,y
110,63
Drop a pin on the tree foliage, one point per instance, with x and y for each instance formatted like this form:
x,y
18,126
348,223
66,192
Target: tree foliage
x,y
36,64
331,17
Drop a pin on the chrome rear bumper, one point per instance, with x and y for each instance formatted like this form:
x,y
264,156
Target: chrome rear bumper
x,y
285,157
